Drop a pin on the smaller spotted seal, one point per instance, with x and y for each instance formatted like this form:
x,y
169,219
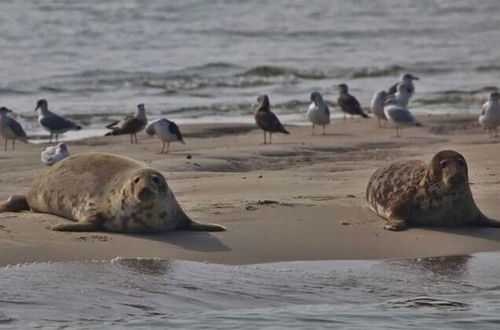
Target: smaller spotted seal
x,y
410,192
106,192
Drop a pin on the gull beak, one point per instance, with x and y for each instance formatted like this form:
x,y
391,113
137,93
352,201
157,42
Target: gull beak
x,y
415,78
36,108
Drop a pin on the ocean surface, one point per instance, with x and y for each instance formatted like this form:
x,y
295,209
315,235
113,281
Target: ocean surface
x,y
206,61
460,292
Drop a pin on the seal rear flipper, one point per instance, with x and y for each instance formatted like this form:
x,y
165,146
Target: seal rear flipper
x,y
487,222
198,226
15,203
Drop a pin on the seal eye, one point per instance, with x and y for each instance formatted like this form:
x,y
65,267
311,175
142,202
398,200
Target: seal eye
x,y
136,180
443,164
461,162
156,179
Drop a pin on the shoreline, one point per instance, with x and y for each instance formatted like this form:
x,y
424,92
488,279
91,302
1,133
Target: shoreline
x,y
299,199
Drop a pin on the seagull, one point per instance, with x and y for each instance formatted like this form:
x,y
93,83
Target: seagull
x,y
348,103
407,80
53,154
165,130
53,123
377,105
490,116
399,115
130,124
318,112
403,95
10,129
267,120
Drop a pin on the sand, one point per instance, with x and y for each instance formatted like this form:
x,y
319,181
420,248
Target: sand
x,y
301,198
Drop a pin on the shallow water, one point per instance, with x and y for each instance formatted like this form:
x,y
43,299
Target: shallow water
x,y
449,292
206,60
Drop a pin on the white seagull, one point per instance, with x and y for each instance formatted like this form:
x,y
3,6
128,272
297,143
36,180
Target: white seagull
x,y
318,112
53,154
407,81
400,116
377,105
166,131
10,129
490,116
52,122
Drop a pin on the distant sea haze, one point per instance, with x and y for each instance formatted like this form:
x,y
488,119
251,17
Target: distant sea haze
x,y
200,61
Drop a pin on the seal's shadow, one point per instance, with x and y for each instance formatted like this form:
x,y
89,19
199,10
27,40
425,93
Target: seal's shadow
x,y
189,240
489,233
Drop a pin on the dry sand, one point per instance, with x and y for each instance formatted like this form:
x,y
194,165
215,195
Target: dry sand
x,y
301,198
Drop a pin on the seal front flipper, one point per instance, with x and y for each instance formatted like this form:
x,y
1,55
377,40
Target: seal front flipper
x,y
395,224
15,203
90,223
198,226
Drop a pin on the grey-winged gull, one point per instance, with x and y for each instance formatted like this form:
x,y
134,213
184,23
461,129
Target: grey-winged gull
x,y
377,105
407,81
53,154
266,119
166,131
52,122
490,116
348,103
10,129
318,112
130,124
400,116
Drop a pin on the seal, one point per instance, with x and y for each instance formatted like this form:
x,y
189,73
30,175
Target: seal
x,y
105,192
410,192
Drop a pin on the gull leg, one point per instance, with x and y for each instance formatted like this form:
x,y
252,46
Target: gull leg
x,y
50,138
345,116
135,137
270,138
6,142
265,142
313,129
57,137
13,143
168,146
162,148
324,129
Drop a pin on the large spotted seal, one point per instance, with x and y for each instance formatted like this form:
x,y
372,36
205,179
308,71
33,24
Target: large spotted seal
x,y
410,192
106,192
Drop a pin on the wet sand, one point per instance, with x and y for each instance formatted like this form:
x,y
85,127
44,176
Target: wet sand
x,y
301,198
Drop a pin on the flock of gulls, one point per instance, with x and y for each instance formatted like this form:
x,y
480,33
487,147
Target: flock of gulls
x,y
387,106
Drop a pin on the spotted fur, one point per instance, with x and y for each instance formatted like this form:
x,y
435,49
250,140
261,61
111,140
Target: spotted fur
x,y
410,192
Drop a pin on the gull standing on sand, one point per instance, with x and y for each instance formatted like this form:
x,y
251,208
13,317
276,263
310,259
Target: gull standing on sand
x,y
166,131
10,129
267,120
407,81
490,116
318,112
130,124
348,103
53,154
377,105
53,123
401,116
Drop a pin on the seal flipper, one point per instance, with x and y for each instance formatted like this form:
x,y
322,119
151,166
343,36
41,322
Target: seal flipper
x,y
15,203
198,226
487,222
90,223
